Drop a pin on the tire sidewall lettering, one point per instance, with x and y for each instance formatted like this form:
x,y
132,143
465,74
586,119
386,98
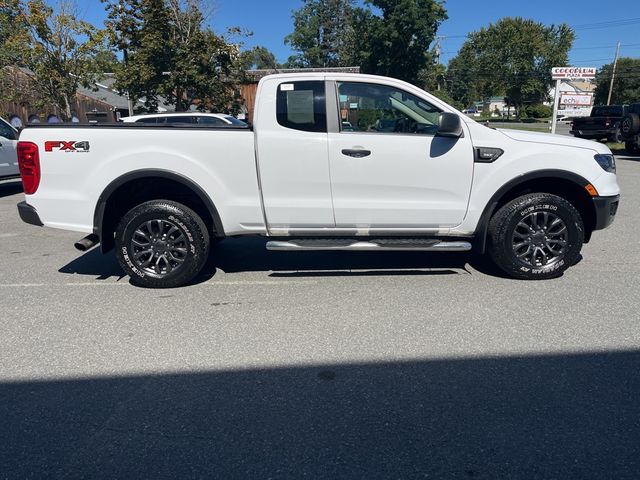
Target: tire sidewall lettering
x,y
126,258
540,206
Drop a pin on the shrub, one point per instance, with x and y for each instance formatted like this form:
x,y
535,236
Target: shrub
x,y
537,111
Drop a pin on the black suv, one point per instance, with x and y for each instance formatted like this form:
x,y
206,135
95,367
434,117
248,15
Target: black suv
x,y
630,129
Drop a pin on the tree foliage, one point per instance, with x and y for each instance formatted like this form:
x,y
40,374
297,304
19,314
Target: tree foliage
x,y
202,68
321,34
57,51
385,37
626,85
394,36
512,57
258,58
139,29
168,50
14,35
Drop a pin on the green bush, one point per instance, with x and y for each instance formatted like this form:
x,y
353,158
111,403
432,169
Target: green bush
x,y
537,111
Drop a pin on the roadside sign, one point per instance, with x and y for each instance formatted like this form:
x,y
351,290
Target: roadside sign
x,y
576,100
567,73
559,73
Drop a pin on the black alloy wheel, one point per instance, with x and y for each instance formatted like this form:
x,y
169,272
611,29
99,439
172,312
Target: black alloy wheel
x,y
535,236
161,244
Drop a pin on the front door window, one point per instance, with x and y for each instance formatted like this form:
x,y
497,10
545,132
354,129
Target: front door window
x,y
375,108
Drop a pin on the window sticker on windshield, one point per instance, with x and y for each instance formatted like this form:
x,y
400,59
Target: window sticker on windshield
x,y
285,87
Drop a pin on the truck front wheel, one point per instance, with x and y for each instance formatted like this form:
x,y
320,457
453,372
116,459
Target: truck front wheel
x,y
536,236
161,244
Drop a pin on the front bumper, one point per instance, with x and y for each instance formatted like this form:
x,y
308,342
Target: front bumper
x,y
28,214
606,209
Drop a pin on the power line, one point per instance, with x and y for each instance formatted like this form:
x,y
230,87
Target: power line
x,y
607,24
606,46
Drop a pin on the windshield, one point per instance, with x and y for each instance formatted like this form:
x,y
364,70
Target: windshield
x,y
607,111
234,121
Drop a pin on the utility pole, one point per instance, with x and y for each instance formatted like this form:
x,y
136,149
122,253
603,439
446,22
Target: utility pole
x,y
613,74
437,50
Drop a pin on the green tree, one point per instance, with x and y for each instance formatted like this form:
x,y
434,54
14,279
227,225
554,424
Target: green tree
x,y
258,58
14,34
140,30
168,51
512,57
106,61
385,37
626,85
57,52
394,36
203,69
321,34
464,83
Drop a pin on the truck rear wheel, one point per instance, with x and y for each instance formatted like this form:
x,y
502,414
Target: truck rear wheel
x,y
536,236
161,244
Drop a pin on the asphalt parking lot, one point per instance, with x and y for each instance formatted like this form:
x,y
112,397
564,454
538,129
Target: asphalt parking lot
x,y
319,365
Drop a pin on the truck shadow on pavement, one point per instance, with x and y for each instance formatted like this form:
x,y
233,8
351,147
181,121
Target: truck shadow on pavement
x,y
569,416
249,255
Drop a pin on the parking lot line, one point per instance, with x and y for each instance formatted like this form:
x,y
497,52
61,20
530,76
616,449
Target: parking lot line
x,y
103,284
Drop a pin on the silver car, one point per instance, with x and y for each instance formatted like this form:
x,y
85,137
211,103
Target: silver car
x,y
8,155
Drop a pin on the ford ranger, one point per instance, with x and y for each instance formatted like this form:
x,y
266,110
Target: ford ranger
x,y
408,173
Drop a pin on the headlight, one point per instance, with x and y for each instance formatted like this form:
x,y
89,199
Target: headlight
x,y
606,161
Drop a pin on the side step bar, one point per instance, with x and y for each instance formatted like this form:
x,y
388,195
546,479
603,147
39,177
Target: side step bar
x,y
398,245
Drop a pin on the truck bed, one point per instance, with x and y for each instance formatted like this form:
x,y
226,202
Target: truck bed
x,y
80,161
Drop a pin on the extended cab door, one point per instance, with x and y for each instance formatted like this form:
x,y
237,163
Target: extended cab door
x,y
292,154
389,169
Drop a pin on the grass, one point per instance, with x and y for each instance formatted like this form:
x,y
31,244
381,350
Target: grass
x,y
617,148
519,126
529,128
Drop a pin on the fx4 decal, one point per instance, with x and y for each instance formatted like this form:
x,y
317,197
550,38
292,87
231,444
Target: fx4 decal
x,y
60,145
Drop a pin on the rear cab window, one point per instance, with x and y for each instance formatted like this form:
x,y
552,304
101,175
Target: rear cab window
x,y
302,106
147,120
607,111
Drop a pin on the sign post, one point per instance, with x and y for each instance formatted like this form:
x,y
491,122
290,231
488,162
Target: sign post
x,y
566,73
556,103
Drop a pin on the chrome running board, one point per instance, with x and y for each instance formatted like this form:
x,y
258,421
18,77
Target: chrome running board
x,y
386,244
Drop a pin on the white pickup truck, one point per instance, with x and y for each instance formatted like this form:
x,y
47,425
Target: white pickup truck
x,y
332,162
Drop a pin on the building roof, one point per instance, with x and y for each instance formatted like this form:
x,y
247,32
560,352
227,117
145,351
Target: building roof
x,y
256,75
104,91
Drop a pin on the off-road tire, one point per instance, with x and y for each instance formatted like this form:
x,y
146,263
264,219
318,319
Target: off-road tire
x,y
511,225
617,137
146,223
630,125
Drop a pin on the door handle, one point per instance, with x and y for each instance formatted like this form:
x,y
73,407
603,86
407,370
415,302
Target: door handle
x,y
355,152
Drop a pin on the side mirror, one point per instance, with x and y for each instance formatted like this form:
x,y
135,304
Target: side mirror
x,y
450,125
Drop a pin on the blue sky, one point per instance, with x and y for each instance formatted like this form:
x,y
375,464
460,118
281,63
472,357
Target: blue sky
x,y
597,28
